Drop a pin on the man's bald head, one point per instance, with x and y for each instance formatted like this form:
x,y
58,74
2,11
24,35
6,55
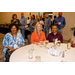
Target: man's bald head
x,y
60,14
22,14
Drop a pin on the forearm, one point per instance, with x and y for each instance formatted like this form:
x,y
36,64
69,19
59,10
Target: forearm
x,y
10,48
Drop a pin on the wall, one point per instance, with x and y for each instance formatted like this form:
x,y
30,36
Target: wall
x,y
7,16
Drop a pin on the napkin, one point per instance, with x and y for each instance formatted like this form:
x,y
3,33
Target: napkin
x,y
55,52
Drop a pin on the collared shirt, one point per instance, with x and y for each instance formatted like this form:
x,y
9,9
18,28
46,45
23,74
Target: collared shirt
x,y
61,20
51,36
47,22
23,21
10,41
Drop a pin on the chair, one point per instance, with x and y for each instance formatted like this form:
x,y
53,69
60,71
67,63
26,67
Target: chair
x,y
29,39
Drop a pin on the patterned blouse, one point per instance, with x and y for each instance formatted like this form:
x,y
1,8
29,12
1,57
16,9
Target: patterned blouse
x,y
12,42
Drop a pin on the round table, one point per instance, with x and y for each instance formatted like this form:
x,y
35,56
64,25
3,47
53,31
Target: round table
x,y
21,54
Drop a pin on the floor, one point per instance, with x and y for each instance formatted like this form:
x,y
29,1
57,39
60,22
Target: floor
x,y
1,46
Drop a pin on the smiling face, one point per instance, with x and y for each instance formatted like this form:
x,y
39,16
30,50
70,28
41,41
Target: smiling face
x,y
54,29
14,29
15,17
38,27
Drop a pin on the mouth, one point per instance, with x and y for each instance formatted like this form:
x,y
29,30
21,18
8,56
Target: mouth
x,y
14,31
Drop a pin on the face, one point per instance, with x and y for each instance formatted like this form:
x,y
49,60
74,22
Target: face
x,y
60,14
32,17
13,29
54,29
46,15
41,16
15,17
22,14
36,17
38,27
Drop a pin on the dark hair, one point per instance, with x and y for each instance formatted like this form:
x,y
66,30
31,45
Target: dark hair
x,y
33,16
55,25
13,16
12,26
54,16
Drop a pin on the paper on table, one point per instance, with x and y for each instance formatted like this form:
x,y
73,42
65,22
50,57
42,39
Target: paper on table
x,y
55,52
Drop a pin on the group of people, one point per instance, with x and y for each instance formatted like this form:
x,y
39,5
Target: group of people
x,y
14,40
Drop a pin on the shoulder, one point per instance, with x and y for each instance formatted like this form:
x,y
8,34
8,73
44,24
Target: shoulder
x,y
11,19
49,34
19,34
63,17
60,34
7,35
33,33
43,32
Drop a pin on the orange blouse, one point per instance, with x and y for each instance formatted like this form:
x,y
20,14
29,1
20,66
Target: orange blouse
x,y
35,38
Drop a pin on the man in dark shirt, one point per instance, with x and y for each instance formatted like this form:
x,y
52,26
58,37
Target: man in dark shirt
x,y
55,34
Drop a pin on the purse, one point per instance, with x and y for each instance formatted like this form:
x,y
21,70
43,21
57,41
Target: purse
x,y
8,54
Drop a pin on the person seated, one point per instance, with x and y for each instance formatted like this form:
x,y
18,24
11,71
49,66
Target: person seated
x,y
12,41
72,39
55,34
38,35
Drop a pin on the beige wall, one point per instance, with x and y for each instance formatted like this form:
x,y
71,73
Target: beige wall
x,y
7,16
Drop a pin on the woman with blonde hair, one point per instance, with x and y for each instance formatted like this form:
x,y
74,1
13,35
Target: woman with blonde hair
x,y
38,35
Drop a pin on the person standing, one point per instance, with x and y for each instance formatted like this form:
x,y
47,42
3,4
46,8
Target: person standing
x,y
23,22
15,20
47,24
32,23
60,21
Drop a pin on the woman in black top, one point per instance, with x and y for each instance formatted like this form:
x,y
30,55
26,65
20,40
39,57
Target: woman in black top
x,y
15,20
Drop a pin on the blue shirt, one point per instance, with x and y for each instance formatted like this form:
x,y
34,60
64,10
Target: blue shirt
x,y
32,25
10,41
47,22
62,20
23,21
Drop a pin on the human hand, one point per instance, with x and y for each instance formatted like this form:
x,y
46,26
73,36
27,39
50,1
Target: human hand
x,y
16,22
61,28
57,23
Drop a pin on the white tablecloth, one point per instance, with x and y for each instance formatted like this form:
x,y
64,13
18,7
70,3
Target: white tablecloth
x,y
21,54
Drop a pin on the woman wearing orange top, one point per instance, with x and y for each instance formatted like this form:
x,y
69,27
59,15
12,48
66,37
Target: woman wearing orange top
x,y
38,35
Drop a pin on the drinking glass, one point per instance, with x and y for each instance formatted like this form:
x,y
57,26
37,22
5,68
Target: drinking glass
x,y
41,43
32,46
46,43
38,59
58,43
30,54
68,45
